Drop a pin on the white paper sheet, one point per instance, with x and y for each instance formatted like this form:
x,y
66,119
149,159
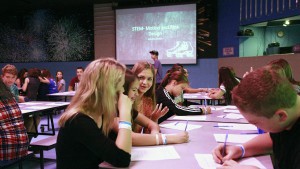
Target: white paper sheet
x,y
206,161
180,126
234,138
153,153
231,111
191,118
236,126
232,116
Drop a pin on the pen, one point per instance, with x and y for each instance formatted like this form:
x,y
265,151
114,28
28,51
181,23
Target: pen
x,y
176,123
222,126
250,133
186,125
224,148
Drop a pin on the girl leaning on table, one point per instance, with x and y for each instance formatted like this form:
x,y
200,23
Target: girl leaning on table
x,y
227,81
83,140
172,85
131,87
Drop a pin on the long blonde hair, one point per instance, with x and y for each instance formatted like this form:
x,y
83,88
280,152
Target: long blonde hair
x,y
97,93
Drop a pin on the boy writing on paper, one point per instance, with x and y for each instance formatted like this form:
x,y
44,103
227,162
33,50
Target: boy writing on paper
x,y
266,99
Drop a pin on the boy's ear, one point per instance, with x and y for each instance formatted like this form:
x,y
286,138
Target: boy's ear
x,y
281,114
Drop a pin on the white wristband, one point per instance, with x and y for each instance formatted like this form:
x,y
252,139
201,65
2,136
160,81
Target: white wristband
x,y
124,126
243,150
164,139
157,139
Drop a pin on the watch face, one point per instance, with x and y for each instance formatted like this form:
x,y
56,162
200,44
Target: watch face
x,y
280,34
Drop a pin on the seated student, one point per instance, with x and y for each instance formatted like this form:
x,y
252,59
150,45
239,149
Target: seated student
x,y
267,99
145,102
60,81
13,136
155,137
9,75
75,80
188,89
172,85
227,82
83,140
288,72
22,74
47,86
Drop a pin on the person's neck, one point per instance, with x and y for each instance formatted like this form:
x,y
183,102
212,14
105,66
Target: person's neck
x,y
295,109
169,88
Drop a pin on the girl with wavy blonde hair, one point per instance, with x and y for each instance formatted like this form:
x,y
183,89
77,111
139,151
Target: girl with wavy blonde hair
x,y
88,119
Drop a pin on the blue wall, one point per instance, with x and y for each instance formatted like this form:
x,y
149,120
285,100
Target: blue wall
x,y
202,74
228,25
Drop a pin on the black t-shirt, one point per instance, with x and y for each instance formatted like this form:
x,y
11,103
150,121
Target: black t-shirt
x,y
286,148
81,144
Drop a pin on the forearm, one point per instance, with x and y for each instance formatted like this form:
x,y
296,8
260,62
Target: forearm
x,y
195,90
261,144
124,140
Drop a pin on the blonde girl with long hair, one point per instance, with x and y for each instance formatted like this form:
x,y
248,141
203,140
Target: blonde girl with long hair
x,y
83,140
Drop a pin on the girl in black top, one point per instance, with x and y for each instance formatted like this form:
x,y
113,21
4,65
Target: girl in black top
x,y
172,85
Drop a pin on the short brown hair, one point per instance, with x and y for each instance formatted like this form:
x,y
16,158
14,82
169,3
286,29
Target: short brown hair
x,y
263,92
10,69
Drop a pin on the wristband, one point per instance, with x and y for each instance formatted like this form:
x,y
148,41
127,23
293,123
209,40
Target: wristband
x,y
164,139
125,122
157,140
243,150
124,126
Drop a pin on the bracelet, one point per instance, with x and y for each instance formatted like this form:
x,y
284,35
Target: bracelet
x,y
164,139
124,126
243,150
157,140
125,122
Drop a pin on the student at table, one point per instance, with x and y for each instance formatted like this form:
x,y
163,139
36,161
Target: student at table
x,y
227,81
188,89
9,75
22,74
13,136
172,85
83,140
76,80
284,64
155,137
267,99
60,81
145,102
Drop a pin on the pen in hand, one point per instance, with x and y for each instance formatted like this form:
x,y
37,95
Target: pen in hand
x,y
186,125
224,147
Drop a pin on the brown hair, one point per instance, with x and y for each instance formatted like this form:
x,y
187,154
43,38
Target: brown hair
x,y
10,69
264,91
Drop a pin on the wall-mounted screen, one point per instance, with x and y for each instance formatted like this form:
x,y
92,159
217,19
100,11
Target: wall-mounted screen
x,y
171,30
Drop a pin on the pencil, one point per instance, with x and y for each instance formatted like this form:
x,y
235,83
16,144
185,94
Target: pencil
x,y
186,124
224,147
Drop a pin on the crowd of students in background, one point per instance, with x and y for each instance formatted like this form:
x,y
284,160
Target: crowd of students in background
x,y
115,108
